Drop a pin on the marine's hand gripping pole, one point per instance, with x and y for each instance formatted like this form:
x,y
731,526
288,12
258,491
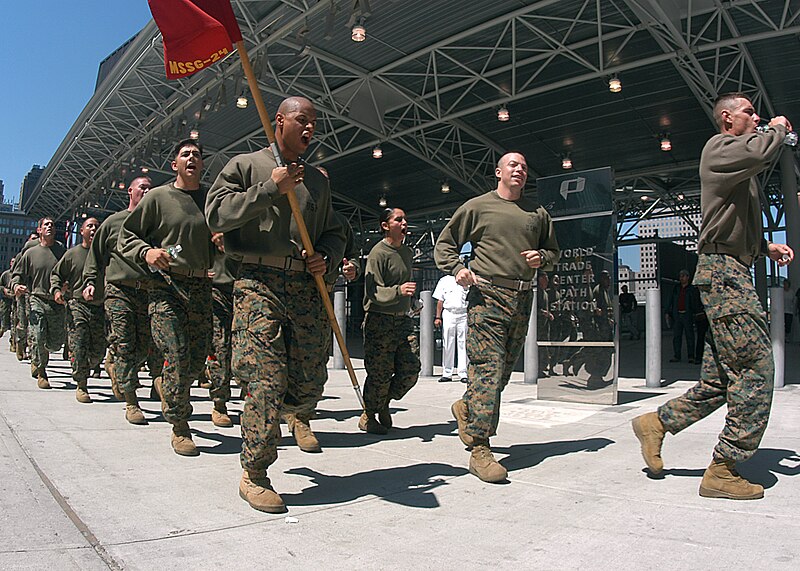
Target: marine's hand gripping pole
x,y
298,217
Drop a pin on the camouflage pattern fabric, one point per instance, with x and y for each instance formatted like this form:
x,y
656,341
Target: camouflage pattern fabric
x,y
219,359
181,325
5,313
23,304
45,330
86,337
126,310
738,369
391,359
497,322
278,348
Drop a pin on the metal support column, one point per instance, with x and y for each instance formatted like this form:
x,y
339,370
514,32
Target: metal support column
x,y
653,340
340,310
791,216
531,363
426,340
777,333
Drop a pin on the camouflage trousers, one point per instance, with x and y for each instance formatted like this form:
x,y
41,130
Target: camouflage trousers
x,y
738,369
45,330
497,321
5,313
391,358
219,359
279,349
23,305
86,336
130,340
180,319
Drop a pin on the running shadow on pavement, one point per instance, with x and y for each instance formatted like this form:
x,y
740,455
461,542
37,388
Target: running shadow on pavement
x,y
521,456
767,463
411,486
763,468
424,432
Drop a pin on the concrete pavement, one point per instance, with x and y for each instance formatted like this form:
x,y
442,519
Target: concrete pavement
x,y
80,488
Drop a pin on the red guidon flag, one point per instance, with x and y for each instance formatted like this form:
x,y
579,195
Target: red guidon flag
x,y
196,33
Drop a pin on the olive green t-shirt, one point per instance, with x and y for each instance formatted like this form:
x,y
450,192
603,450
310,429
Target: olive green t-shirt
x,y
387,269
33,269
499,231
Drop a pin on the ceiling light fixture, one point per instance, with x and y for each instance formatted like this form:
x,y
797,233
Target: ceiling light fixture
x,y
241,101
445,187
614,84
502,114
359,32
145,170
377,152
566,162
666,144
382,202
194,134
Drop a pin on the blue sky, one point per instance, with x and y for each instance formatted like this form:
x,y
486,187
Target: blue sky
x,y
51,53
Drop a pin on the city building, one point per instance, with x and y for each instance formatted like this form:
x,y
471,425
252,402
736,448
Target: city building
x,y
29,182
675,229
15,228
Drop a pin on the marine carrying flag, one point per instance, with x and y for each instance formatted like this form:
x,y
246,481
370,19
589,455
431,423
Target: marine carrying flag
x,y
196,33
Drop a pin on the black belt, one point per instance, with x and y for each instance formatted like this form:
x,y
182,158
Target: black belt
x,y
286,263
187,273
135,284
517,285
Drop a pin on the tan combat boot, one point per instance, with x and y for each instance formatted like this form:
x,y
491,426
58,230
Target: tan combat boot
x,y
82,392
205,381
219,415
42,382
20,351
483,464
303,435
34,371
367,423
460,413
385,417
650,432
256,489
133,413
721,480
182,441
111,370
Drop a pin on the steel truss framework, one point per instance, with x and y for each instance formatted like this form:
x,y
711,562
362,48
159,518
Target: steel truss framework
x,y
420,102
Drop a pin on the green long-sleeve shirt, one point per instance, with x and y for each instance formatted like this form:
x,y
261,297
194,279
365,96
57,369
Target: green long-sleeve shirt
x,y
69,270
5,284
387,269
168,216
499,230
729,199
33,269
245,204
104,261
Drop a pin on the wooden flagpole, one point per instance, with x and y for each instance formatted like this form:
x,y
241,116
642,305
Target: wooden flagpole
x,y
301,225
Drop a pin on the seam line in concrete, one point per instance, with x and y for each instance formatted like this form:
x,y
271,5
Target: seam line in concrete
x,y
90,537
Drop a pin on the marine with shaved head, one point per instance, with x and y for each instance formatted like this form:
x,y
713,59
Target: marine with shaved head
x,y
512,237
280,331
86,336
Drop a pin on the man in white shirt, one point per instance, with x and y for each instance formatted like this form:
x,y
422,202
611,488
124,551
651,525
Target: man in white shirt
x,y
451,316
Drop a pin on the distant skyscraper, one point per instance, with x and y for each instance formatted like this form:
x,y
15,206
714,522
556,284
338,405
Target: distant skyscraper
x,y
29,183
